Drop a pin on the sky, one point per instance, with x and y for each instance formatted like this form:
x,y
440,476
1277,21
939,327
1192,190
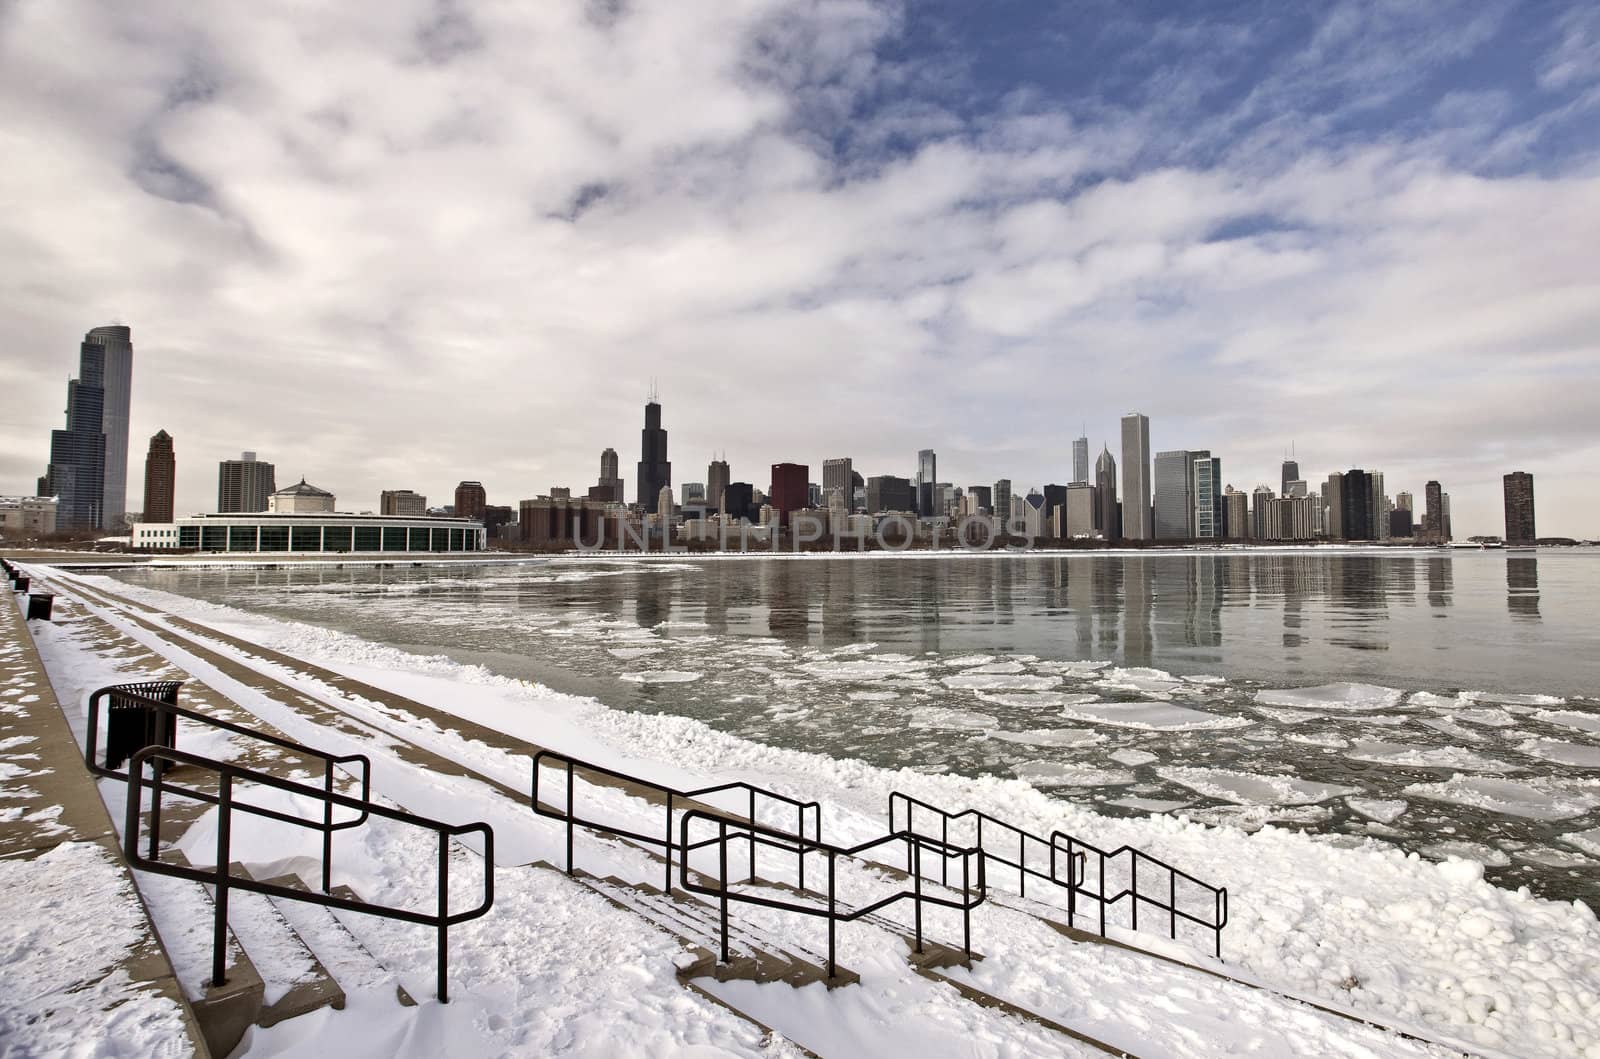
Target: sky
x,y
400,245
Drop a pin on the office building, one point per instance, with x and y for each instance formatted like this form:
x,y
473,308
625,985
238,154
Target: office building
x,y
1136,477
1291,473
472,501
1235,513
927,482
1174,495
1210,514
717,478
1055,496
887,493
1400,526
608,488
1355,511
1333,506
1433,514
655,470
1083,511
1002,500
1296,487
1080,460
305,499
981,498
117,341
1519,508
402,502
27,516
739,502
244,484
790,489
1034,515
839,475
1403,502
1444,516
1377,507
1261,502
1105,484
694,493
160,478
76,474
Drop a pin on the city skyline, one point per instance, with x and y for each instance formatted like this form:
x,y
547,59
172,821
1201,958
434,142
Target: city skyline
x,y
1375,243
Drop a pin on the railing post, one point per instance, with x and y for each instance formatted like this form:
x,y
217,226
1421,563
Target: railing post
x,y
667,889
800,829
219,929
966,903
831,920
569,816
1135,888
327,829
1103,895
722,858
1022,864
444,915
1172,903
155,808
916,853
944,858
752,834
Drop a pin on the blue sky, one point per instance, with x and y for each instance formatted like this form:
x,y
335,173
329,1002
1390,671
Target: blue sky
x,y
397,247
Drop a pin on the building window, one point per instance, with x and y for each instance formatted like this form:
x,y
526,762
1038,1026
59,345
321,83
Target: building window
x,y
215,538
188,536
306,539
336,538
369,539
274,538
394,538
242,538
457,540
419,539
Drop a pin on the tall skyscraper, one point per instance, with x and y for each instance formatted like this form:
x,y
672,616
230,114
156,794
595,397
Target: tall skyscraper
x,y
117,342
1519,508
790,491
1333,506
1136,477
738,500
1402,502
1210,517
1236,514
609,487
160,478
1433,514
1377,507
717,478
1444,516
245,484
1083,511
927,484
1291,473
886,492
1105,484
655,471
1080,459
76,474
1002,500
1357,502
1174,495
839,475
982,497
471,500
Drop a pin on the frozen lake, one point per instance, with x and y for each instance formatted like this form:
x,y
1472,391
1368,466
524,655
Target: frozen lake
x,y
1445,702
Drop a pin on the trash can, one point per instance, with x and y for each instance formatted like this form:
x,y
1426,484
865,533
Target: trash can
x,y
39,604
132,725
19,582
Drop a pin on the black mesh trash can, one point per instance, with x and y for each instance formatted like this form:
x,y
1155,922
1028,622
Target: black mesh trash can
x,y
20,583
132,725
39,604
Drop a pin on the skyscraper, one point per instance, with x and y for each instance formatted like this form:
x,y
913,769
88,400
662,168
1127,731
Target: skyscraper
x,y
839,475
1291,473
1105,484
1433,514
1174,495
1333,501
655,471
1002,500
245,484
471,500
1080,459
1357,502
982,496
927,483
1136,477
609,486
1519,508
1236,514
886,492
117,342
1209,514
160,478
789,489
717,478
1377,507
77,471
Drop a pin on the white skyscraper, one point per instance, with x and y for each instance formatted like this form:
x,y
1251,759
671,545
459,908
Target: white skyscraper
x,y
1136,477
1080,459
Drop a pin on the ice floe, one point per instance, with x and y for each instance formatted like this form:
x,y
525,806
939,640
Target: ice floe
x,y
1466,851
1488,716
1584,722
1430,757
1506,699
661,676
944,717
1150,805
1150,716
1342,696
1588,841
1133,757
1246,788
1578,755
1051,737
1383,810
1000,682
1322,739
877,667
1057,774
1510,797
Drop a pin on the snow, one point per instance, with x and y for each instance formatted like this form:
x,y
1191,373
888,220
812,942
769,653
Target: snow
x,y
1150,716
1243,788
1511,797
1352,697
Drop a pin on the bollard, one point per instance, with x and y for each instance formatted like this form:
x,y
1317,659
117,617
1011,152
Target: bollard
x,y
20,583
39,604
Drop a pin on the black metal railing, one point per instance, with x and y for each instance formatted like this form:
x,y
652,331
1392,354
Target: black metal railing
x,y
998,840
223,880
159,700
800,846
755,798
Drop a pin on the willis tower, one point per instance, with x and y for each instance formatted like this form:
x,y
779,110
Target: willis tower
x,y
655,470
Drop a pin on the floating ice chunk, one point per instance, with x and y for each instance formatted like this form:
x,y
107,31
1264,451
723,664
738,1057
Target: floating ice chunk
x,y
943,717
1562,753
1133,757
1508,797
1584,722
1205,678
999,667
1428,757
1150,805
873,696
1057,774
1051,737
1381,810
1000,682
1323,739
1588,841
855,649
1513,700
1083,670
1035,700
1554,858
1255,817
1139,678
878,667
1354,697
626,653
1428,700
968,660
1245,788
1467,851
1451,729
1488,716
661,676
1150,716
1288,716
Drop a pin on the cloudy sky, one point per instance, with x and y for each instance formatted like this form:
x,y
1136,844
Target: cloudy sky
x,y
397,245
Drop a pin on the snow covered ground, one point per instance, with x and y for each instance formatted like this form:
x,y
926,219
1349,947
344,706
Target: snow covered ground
x,y
1346,920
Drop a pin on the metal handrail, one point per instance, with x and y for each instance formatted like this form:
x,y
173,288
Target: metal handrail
x,y
800,846
329,825
671,794
1077,852
221,878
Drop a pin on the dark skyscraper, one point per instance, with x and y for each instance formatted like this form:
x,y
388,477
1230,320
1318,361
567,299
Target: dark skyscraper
x,y
717,477
160,478
885,492
739,498
1105,481
1433,514
790,489
1356,510
471,500
76,474
928,484
1291,473
1519,508
243,485
116,343
655,471
609,487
